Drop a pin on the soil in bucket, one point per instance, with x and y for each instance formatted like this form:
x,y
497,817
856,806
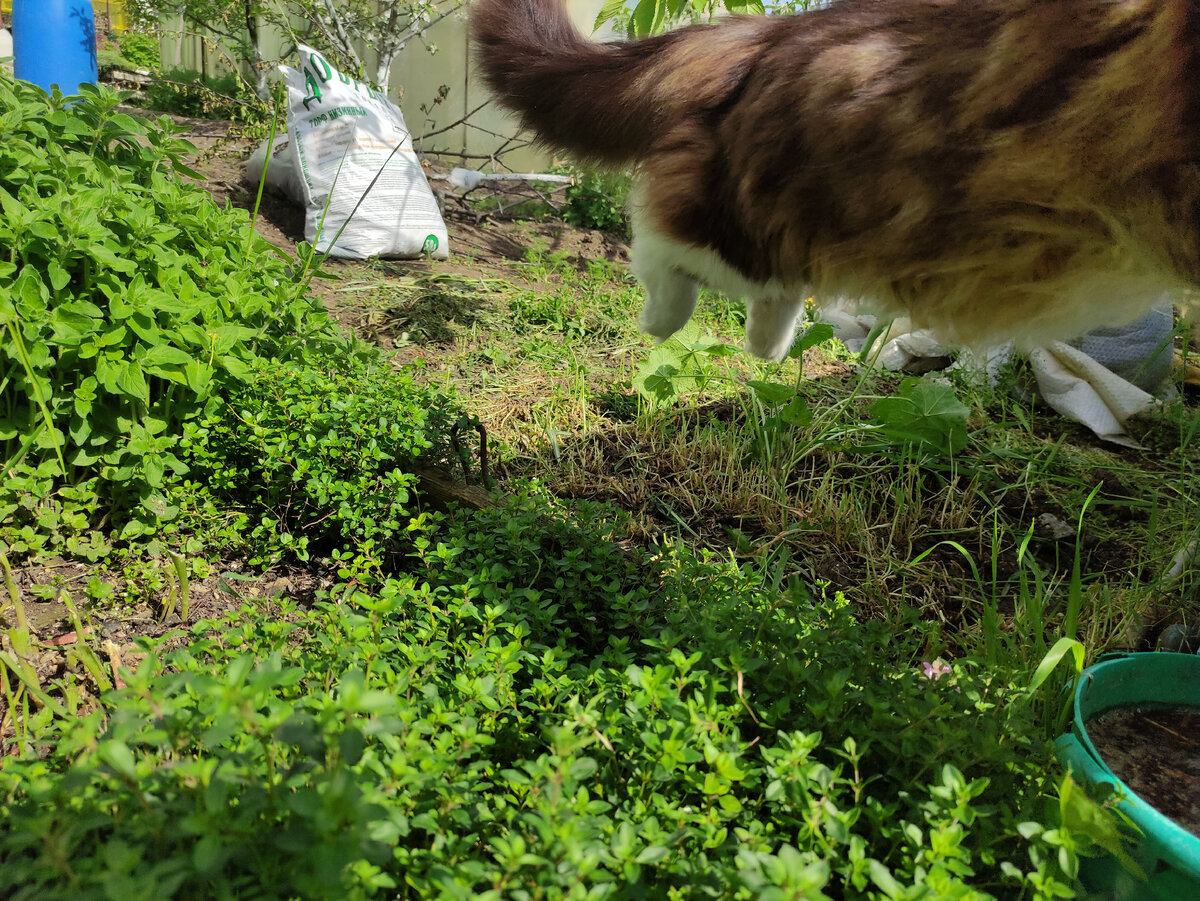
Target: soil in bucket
x,y
1156,752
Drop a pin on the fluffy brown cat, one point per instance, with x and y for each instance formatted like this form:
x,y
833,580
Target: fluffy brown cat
x,y
1000,169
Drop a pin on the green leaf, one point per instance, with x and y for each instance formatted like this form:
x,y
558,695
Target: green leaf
x,y
351,745
111,260
303,731
652,855
14,211
153,468
208,853
817,333
31,290
131,380
925,413
235,367
1083,816
158,506
84,395
376,702
166,355
70,326
225,337
660,384
883,879
648,17
583,768
609,11
1054,656
118,756
198,375
82,308
772,392
239,669
135,528
797,413
656,377
59,277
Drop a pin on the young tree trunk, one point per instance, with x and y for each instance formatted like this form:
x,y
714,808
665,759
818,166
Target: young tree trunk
x,y
341,39
261,90
383,69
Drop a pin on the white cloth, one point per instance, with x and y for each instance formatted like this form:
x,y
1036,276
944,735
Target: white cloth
x,y
1070,379
1078,387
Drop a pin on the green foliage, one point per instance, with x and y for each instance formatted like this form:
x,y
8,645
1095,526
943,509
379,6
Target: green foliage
x,y
186,92
129,51
647,17
597,200
100,300
777,414
235,29
140,49
317,456
449,734
923,412
132,306
577,586
510,703
683,363
586,310
109,58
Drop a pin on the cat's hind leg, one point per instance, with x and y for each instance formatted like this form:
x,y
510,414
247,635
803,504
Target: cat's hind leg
x,y
670,301
771,326
670,293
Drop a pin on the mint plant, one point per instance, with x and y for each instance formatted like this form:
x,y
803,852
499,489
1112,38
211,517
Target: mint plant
x,y
132,306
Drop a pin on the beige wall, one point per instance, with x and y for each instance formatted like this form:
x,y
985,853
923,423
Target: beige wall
x,y
418,74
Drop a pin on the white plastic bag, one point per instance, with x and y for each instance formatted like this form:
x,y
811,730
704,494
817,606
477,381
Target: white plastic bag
x,y
342,136
281,174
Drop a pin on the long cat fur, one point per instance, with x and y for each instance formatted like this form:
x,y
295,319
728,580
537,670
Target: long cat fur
x,y
1000,169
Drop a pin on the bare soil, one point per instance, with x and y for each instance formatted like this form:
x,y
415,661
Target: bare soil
x,y
1156,752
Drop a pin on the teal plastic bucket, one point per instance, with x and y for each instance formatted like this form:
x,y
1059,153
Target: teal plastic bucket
x,y
1168,853
54,43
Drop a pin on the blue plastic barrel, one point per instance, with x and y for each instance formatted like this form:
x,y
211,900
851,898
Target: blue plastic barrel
x,y
54,42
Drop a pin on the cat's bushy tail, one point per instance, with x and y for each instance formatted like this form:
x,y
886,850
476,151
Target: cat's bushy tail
x,y
604,102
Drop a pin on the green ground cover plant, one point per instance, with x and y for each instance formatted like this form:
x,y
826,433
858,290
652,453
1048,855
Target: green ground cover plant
x,y
535,712
598,200
318,457
815,655
186,92
131,51
140,49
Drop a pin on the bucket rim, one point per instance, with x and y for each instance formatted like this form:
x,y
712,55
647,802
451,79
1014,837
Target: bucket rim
x,y
1174,680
